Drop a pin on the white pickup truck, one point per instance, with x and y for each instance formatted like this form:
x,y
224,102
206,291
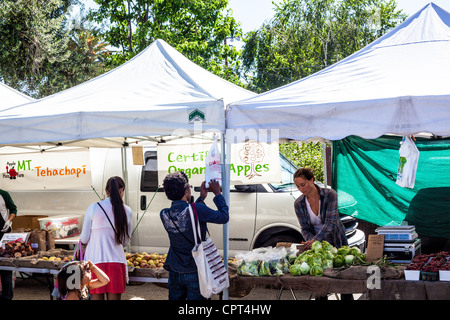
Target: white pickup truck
x,y
260,214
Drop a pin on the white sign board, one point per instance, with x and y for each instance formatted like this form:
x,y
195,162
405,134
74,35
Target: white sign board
x,y
252,162
45,170
7,237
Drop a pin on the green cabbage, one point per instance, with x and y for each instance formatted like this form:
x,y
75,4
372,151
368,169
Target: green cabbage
x,y
354,251
305,268
317,259
316,270
295,269
349,259
338,261
328,255
327,264
326,246
316,246
343,251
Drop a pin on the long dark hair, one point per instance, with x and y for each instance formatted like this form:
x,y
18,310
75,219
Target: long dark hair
x,y
113,187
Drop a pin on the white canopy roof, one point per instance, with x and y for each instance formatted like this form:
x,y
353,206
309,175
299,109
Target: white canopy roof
x,y
10,97
399,84
155,93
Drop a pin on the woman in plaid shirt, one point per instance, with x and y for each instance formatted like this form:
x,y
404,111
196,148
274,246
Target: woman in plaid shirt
x,y
317,211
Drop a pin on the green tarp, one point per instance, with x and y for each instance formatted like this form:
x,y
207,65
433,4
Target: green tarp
x,y
367,169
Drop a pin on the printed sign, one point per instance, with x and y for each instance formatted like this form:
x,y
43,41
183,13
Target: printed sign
x,y
45,170
252,162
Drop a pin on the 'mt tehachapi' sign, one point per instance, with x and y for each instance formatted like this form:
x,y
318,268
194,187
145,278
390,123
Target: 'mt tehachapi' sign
x,y
45,170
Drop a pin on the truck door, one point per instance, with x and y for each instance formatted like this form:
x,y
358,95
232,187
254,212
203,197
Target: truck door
x,y
241,226
149,233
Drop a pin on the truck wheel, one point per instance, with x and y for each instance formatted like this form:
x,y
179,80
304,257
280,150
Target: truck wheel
x,y
272,242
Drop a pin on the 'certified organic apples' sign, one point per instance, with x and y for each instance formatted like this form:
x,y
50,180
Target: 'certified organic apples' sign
x,y
251,162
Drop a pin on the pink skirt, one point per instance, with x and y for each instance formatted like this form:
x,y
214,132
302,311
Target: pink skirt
x,y
117,278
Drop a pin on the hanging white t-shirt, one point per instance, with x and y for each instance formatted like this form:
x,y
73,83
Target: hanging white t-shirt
x,y
315,220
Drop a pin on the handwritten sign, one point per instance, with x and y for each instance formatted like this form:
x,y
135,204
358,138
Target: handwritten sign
x,y
375,247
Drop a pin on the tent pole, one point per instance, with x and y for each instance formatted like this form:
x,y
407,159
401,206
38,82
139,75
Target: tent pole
x,y
324,160
226,150
125,170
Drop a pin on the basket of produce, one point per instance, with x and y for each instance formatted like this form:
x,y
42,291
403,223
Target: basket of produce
x,y
430,266
323,256
146,265
14,250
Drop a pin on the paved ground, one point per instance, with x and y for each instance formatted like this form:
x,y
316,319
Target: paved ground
x,y
32,289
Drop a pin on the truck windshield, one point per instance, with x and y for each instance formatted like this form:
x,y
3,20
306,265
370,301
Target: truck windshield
x,y
287,175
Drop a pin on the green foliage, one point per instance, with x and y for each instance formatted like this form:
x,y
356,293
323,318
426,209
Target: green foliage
x,y
306,36
304,154
198,29
40,53
31,36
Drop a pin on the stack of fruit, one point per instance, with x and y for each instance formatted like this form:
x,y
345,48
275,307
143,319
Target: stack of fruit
x,y
145,260
56,258
16,249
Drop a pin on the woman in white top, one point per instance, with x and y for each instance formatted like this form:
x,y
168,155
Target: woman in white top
x,y
106,231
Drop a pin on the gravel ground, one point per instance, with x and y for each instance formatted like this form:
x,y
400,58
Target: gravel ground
x,y
37,289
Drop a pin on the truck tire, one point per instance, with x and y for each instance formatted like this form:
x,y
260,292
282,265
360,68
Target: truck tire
x,y
272,242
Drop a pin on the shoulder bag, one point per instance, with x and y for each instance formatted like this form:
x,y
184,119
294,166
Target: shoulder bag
x,y
108,219
212,275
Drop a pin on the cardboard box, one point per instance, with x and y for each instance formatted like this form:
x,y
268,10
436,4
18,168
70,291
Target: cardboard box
x,y
27,222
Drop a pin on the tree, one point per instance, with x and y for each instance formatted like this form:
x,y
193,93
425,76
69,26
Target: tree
x,y
31,36
41,51
86,60
306,36
196,28
304,154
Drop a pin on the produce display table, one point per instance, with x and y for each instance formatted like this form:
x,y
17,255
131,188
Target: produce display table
x,y
318,286
48,274
411,290
390,289
157,275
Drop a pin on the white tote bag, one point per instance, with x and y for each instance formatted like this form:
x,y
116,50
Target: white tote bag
x,y
212,275
407,167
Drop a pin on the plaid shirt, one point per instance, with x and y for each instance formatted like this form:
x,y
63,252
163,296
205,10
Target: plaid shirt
x,y
332,230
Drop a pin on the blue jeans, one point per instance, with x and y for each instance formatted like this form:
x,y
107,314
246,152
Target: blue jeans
x,y
184,286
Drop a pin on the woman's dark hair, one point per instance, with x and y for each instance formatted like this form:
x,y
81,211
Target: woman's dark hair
x,y
306,173
68,270
175,184
113,187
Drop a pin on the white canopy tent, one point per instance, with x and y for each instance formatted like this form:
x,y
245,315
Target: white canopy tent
x,y
399,84
10,97
155,93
